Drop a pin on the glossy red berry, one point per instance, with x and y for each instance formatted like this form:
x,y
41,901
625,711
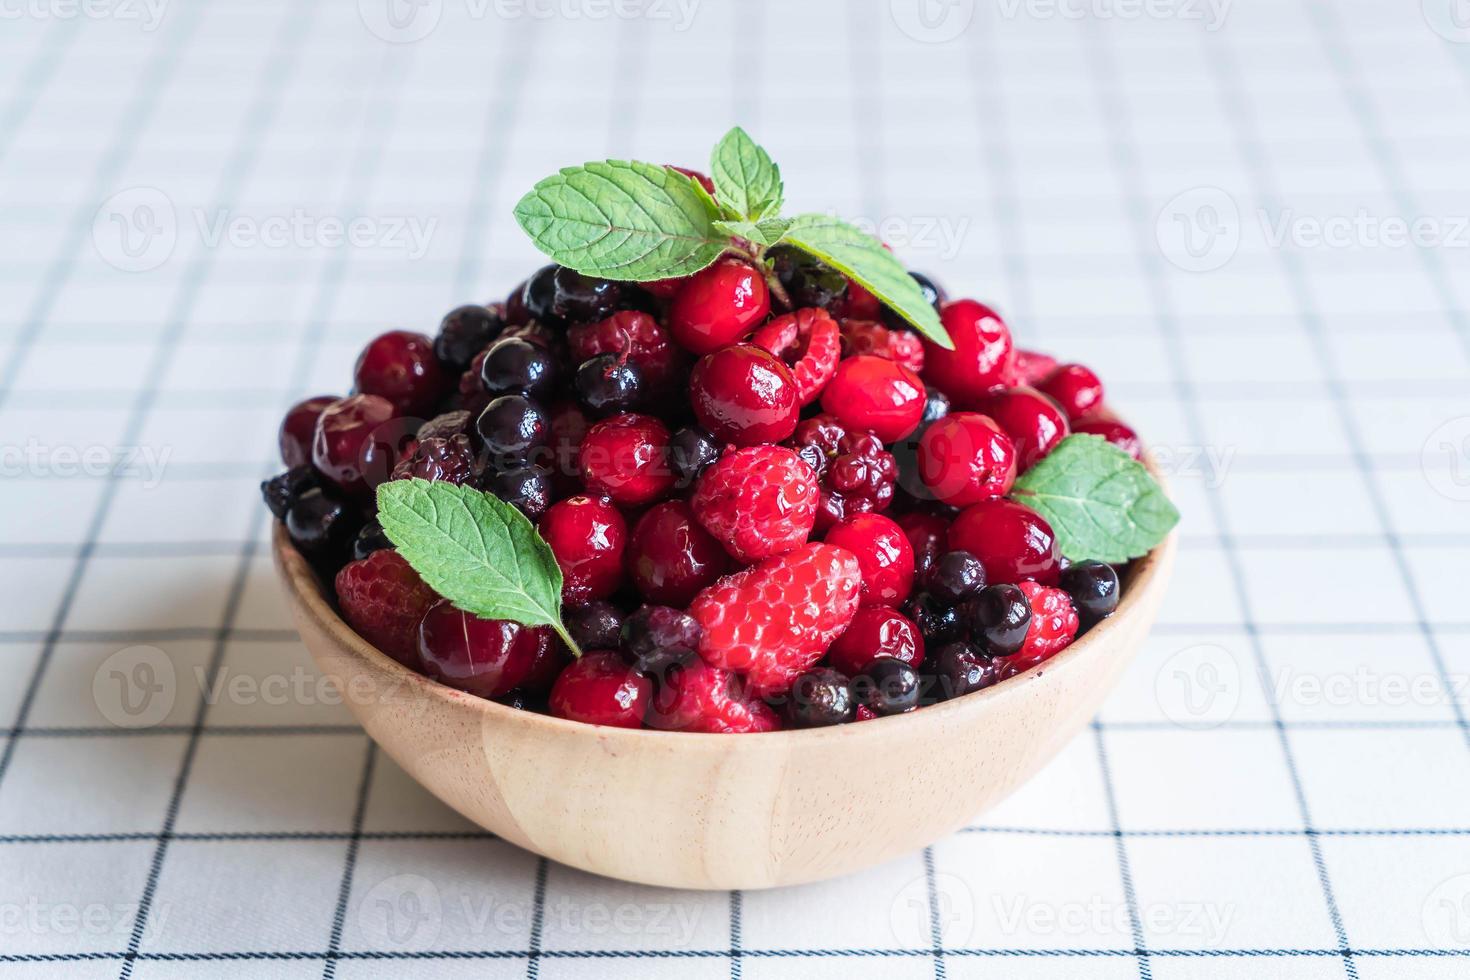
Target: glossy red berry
x,y
807,341
871,337
401,366
1012,541
928,534
1033,422
718,306
298,429
1075,388
634,334
745,395
757,502
347,433
671,557
587,535
697,697
626,458
874,393
857,474
983,355
1113,431
485,657
599,688
965,458
876,631
383,598
884,555
1030,368
1054,625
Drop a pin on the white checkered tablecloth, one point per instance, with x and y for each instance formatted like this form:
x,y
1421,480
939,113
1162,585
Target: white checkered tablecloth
x,y
1250,217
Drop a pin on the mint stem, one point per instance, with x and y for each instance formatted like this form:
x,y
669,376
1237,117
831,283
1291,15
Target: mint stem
x,y
561,631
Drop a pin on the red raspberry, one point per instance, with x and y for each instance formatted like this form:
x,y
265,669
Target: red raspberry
x,y
1030,367
601,689
965,458
757,502
401,366
633,333
696,697
857,474
983,357
1053,626
807,341
1113,431
883,553
626,457
298,428
870,337
876,631
1075,388
745,395
774,620
438,459
719,305
874,393
1033,422
587,536
383,598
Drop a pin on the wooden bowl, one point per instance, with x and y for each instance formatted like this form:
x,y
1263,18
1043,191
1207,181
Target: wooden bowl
x,y
723,811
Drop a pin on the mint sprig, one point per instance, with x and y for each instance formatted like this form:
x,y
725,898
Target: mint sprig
x,y
475,550
641,222
1101,502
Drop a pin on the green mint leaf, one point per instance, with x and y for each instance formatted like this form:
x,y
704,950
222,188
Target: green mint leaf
x,y
862,258
619,220
765,233
475,550
746,179
1100,501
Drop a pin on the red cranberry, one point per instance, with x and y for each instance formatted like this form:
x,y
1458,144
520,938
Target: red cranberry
x,y
965,458
401,366
486,657
1031,367
718,306
874,393
928,535
626,458
587,535
982,357
345,432
671,557
884,555
1012,541
745,395
1075,388
1034,422
600,689
299,427
874,632
1113,431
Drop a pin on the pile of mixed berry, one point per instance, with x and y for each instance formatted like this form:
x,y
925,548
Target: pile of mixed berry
x,y
767,512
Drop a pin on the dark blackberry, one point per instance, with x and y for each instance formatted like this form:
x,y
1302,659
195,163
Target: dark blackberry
x,y
857,473
283,490
440,460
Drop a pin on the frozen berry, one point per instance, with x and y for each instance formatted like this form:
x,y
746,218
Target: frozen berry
x,y
450,460
938,622
600,689
807,281
587,535
876,631
819,698
933,292
718,305
568,428
1093,586
1114,432
298,429
1011,540
808,343
281,492
982,356
927,534
868,337
888,687
856,473
594,625
528,488
698,697
1054,624
655,638
485,657
538,294
757,502
876,394
463,333
1031,367
513,365
936,407
959,668
998,619
633,334
1075,388
383,599
370,539
956,576
1033,422
965,458
670,557
320,524
513,425
445,426
346,433
581,299
626,458
608,384
401,366
858,303
690,450
744,395
883,553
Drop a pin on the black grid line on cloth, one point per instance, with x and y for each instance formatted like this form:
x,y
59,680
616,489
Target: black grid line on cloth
x,y
354,844
737,952
1125,869
34,81
1120,140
